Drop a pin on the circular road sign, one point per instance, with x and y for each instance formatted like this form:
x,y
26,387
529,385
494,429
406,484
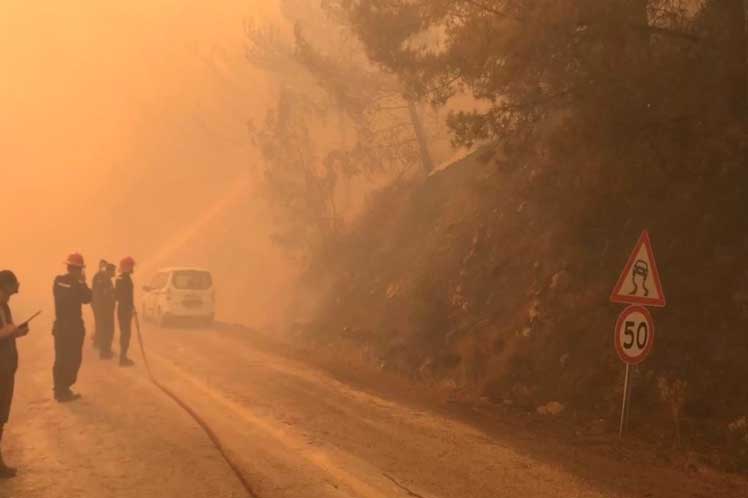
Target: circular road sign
x,y
634,334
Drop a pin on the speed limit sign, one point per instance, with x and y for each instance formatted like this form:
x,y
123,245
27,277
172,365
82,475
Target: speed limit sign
x,y
634,334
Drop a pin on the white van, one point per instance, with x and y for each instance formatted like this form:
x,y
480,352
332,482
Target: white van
x,y
176,293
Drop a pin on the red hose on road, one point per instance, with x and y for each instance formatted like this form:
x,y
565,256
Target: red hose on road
x,y
202,423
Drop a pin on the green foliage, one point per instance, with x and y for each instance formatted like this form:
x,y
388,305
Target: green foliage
x,y
302,192
611,70
329,79
367,100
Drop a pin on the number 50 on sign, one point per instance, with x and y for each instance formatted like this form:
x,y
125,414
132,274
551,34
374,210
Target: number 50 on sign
x,y
634,334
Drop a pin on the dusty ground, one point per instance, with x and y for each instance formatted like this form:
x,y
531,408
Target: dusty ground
x,y
296,431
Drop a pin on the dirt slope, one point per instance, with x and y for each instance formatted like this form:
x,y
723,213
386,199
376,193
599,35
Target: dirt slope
x,y
492,278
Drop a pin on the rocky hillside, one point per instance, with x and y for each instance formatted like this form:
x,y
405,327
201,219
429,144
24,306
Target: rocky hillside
x,y
491,278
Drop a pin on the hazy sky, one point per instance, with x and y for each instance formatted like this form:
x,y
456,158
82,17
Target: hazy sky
x,y
121,122
80,77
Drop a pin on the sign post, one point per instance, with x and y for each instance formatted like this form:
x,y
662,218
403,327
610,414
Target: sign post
x,y
639,286
634,340
624,402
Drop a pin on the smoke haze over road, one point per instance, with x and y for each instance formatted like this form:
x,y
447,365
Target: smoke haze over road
x,y
122,119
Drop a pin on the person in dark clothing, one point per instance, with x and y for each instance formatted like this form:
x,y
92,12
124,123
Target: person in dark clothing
x,y
71,292
95,335
103,307
124,294
8,357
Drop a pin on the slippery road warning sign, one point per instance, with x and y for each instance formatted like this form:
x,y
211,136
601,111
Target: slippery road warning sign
x,y
639,282
634,334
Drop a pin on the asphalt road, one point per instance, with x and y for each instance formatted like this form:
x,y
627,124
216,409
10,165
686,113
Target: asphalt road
x,y
294,430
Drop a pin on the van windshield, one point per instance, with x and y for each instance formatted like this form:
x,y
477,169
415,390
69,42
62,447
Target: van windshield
x,y
192,280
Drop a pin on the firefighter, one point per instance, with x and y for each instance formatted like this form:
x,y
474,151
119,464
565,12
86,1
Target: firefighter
x,y
70,292
103,307
8,357
95,335
124,294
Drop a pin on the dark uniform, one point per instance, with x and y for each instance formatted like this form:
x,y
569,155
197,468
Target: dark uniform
x,y
8,357
103,308
124,294
8,367
69,331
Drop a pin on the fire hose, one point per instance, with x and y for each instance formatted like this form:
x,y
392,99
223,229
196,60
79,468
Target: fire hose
x,y
199,420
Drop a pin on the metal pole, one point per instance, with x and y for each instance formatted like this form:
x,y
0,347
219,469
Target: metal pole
x,y
627,420
623,404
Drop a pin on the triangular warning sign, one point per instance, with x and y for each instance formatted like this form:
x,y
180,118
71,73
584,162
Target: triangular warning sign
x,y
639,282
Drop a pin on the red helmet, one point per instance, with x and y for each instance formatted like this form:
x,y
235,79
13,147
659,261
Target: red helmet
x,y
127,265
75,259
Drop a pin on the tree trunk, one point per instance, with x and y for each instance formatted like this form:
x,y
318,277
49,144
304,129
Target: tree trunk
x,y
639,17
736,64
426,161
